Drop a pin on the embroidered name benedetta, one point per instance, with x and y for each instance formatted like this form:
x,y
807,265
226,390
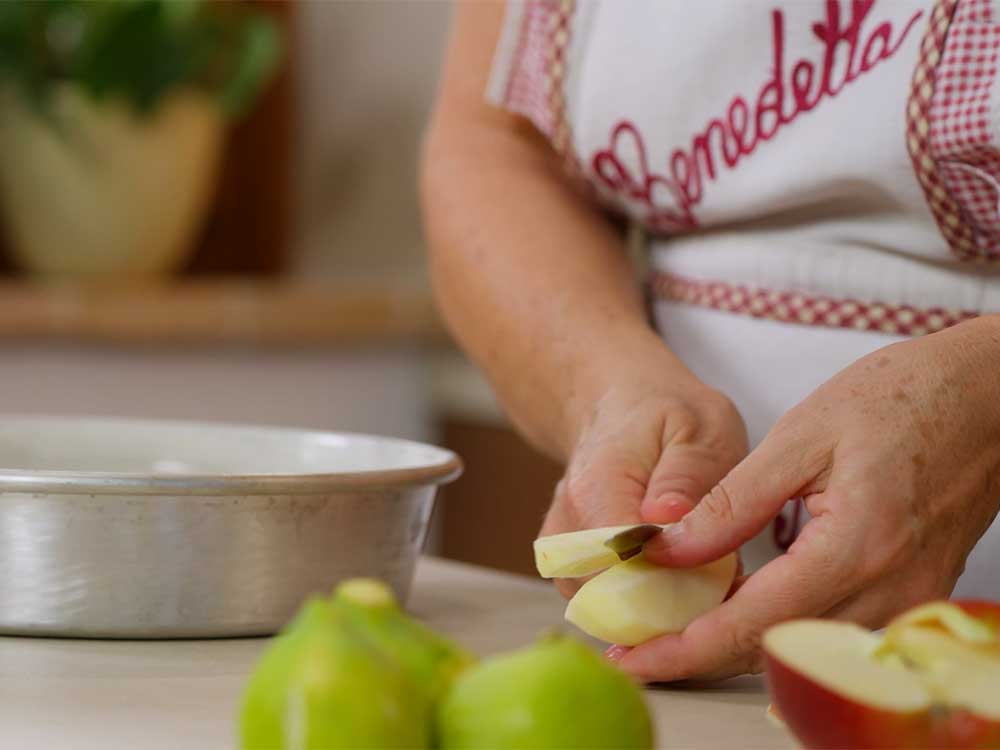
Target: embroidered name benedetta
x,y
850,48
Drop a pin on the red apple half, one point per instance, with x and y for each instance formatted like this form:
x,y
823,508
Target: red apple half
x,y
837,685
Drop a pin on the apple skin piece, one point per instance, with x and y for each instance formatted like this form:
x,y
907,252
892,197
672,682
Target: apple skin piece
x,y
956,647
973,622
576,554
988,612
833,691
634,601
935,651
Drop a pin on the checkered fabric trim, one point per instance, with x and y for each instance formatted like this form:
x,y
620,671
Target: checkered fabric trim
x,y
795,307
536,88
527,91
949,128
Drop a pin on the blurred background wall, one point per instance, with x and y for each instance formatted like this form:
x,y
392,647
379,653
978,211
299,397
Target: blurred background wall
x,y
297,293
368,78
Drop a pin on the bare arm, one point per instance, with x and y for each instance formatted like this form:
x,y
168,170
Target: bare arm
x,y
537,287
532,280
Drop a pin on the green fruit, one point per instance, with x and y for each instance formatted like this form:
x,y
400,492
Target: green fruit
x,y
557,693
321,685
431,661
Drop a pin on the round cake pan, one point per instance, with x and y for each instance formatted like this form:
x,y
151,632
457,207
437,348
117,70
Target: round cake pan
x,y
114,528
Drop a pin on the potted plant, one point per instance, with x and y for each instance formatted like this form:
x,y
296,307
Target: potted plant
x,y
112,123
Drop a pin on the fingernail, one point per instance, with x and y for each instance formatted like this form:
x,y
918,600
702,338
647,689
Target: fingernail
x,y
615,653
669,537
679,505
667,508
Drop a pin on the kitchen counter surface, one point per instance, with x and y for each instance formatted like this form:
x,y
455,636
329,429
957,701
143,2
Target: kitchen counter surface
x,y
106,695
228,311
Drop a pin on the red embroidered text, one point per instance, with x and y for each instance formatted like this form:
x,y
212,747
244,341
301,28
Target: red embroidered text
x,y
849,50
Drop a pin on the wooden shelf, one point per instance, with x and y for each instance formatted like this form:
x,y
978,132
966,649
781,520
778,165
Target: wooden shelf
x,y
212,311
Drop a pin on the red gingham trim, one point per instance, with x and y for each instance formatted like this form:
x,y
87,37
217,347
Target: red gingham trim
x,y
527,86
949,128
795,307
961,131
918,118
536,86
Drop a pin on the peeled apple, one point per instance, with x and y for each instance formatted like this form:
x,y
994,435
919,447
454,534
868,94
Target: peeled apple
x,y
633,600
636,600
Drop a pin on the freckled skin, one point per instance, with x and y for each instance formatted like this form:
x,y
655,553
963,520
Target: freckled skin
x,y
897,459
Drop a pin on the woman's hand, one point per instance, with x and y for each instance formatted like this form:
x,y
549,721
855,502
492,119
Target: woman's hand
x,y
898,460
649,449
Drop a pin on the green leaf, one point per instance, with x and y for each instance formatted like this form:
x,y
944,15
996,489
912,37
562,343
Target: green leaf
x,y
138,50
259,50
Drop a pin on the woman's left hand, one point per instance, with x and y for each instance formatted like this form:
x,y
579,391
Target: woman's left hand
x,y
897,459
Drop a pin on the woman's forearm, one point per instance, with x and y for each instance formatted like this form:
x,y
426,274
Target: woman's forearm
x,y
533,281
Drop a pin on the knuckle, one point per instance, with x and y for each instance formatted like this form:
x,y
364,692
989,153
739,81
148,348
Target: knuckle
x,y
719,504
579,505
560,488
576,488
841,554
721,411
711,420
755,662
891,551
682,423
744,642
792,426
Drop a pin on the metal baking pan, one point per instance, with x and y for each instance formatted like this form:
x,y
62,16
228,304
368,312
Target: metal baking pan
x,y
115,528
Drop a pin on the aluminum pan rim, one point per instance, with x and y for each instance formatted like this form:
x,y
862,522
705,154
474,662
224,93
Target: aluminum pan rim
x,y
43,481
99,483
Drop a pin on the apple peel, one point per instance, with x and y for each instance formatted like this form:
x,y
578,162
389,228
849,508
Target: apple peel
x,y
582,553
954,618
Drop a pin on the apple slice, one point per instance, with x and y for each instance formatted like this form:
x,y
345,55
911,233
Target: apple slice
x,y
971,622
955,646
934,650
583,553
978,690
835,688
636,600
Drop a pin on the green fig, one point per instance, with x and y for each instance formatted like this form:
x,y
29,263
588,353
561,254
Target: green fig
x,y
322,685
431,660
557,693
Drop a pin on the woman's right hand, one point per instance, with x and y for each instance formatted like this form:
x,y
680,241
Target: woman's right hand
x,y
536,284
649,450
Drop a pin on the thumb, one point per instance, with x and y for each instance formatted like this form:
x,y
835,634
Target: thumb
x,y
743,502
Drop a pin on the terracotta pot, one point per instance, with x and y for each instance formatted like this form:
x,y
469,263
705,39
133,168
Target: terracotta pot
x,y
101,191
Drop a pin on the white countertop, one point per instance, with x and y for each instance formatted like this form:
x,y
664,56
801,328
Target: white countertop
x,y
182,695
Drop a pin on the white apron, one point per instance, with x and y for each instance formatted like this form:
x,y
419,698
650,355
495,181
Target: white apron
x,y
819,178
